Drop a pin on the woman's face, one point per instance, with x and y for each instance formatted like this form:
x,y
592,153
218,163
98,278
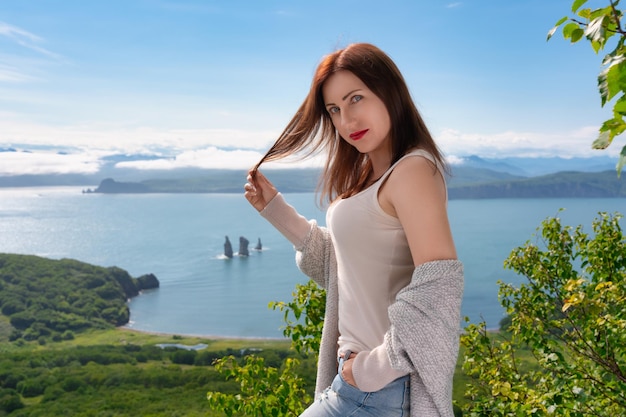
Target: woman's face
x,y
359,116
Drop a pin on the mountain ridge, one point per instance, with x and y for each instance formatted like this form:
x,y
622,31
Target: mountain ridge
x,y
471,177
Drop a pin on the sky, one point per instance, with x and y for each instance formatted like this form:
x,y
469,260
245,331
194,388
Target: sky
x,y
211,84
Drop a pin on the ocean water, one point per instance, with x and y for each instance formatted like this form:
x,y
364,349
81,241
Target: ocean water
x,y
180,238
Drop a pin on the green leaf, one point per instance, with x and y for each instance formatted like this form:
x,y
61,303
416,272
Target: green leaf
x,y
612,80
569,29
576,5
602,142
596,46
596,30
577,34
609,129
585,13
620,106
556,26
551,32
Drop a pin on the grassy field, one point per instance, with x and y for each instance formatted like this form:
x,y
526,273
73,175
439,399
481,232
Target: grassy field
x,y
122,361
123,335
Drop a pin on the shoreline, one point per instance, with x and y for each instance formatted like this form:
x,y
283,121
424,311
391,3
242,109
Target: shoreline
x,y
202,336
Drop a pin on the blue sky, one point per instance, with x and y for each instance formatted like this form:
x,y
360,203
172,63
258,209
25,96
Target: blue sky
x,y
212,83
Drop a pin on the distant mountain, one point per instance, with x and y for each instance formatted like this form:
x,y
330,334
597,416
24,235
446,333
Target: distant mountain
x,y
48,180
465,175
464,183
559,185
530,167
471,177
214,181
467,169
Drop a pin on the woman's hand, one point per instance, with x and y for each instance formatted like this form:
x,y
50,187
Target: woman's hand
x,y
346,370
259,191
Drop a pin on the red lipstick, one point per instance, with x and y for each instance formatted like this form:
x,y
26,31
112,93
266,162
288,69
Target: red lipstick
x,y
358,135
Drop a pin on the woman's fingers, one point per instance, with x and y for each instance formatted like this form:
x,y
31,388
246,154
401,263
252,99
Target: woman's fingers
x,y
258,190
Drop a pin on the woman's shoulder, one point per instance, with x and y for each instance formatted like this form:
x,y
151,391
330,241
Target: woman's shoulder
x,y
417,171
418,152
415,166
415,162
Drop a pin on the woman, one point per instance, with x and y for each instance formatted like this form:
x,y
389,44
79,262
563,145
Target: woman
x,y
386,258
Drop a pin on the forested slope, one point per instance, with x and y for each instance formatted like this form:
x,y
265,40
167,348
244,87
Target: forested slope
x,y
45,298
560,185
465,182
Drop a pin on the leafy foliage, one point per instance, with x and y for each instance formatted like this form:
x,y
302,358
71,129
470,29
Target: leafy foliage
x,y
570,316
123,380
304,317
54,298
599,26
266,390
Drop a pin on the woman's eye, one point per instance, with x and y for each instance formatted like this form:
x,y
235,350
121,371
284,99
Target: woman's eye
x,y
356,98
333,110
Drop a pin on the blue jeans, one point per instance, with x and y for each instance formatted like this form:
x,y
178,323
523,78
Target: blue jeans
x,y
343,400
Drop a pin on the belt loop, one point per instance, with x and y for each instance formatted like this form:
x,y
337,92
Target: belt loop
x,y
342,358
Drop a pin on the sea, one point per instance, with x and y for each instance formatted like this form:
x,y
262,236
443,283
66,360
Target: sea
x,y
180,239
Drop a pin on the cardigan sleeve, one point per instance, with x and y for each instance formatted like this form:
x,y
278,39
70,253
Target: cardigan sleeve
x,y
313,245
424,335
287,220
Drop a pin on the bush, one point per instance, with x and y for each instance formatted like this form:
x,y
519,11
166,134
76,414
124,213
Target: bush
x,y
183,357
31,387
10,400
570,317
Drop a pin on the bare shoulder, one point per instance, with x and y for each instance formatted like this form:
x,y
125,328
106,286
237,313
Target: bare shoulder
x,y
416,173
414,181
416,163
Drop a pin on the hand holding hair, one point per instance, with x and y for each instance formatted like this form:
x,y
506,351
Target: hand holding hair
x,y
259,191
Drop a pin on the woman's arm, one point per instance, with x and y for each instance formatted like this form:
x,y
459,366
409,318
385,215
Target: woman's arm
x,y
312,242
415,193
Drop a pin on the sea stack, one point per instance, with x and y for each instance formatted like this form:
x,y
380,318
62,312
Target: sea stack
x,y
243,246
258,245
228,248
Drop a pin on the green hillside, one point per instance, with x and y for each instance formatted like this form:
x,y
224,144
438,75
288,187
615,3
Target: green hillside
x,y
215,181
53,299
62,354
465,182
560,185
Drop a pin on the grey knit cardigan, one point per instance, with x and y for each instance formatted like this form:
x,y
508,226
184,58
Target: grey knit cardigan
x,y
425,324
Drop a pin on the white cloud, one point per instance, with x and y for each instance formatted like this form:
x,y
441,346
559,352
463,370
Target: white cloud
x,y
85,145
211,157
454,160
575,143
20,163
16,33
120,139
215,158
25,39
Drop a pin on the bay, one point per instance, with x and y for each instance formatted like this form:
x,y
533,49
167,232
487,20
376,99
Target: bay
x,y
180,238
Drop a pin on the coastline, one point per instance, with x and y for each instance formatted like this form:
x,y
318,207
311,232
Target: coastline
x,y
202,336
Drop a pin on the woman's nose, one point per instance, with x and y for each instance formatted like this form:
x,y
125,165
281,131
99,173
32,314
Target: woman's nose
x,y
347,119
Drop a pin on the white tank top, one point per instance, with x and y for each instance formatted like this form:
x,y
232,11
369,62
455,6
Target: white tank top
x,y
374,263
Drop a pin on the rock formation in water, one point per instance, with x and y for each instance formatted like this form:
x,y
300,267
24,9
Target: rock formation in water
x,y
258,245
228,248
147,282
243,246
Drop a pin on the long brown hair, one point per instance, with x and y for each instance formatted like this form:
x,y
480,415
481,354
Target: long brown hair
x,y
310,130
